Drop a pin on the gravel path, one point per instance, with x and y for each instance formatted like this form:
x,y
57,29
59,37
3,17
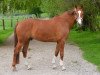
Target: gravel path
x,y
41,54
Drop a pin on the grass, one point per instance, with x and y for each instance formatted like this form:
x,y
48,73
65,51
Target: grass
x,y
89,42
4,34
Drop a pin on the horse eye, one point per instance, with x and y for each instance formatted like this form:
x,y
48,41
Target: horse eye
x,y
76,13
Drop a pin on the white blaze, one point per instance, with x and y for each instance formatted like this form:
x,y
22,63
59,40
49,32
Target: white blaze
x,y
79,19
79,13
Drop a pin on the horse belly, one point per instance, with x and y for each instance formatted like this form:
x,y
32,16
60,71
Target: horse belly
x,y
45,35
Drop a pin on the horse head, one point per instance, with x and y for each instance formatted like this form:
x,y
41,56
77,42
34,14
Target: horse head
x,y
78,12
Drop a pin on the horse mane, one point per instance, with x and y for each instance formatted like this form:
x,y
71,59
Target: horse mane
x,y
66,13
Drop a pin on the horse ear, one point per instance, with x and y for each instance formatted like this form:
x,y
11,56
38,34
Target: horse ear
x,y
72,12
75,6
82,6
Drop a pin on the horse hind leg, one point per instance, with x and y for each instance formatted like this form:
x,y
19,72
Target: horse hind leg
x,y
17,58
16,55
24,51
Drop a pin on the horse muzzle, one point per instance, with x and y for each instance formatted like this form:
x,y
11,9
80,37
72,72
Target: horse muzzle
x,y
79,21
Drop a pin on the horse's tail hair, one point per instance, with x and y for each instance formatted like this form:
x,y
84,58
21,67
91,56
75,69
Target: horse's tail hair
x,y
15,37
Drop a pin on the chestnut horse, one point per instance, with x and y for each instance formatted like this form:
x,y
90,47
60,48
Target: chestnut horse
x,y
52,30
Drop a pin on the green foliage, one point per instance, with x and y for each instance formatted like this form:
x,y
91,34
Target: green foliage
x,y
53,7
36,10
45,15
89,43
91,11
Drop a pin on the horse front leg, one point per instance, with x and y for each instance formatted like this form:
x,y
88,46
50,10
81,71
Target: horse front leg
x,y
16,55
61,48
55,56
24,51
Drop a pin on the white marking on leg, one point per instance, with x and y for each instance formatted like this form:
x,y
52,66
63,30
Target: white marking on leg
x,y
62,65
61,62
27,63
54,61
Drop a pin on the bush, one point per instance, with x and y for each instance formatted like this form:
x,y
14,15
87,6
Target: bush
x,y
91,11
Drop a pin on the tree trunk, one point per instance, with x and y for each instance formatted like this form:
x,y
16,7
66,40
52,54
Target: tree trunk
x,y
3,24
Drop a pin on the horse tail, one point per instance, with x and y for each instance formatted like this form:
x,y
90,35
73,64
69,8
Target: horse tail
x,y
15,37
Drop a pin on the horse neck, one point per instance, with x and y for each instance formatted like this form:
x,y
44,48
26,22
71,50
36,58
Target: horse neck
x,y
69,18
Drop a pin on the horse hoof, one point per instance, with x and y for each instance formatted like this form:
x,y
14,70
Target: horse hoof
x,y
54,66
14,69
29,67
63,68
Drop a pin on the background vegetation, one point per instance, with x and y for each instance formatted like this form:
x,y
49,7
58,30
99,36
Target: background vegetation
x,y
52,8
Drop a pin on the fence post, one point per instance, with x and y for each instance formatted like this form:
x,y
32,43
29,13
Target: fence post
x,y
3,24
17,20
11,22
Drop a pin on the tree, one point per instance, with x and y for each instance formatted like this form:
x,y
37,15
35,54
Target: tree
x,y
53,7
34,8
3,6
91,12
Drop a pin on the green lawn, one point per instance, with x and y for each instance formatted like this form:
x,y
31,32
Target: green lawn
x,y
4,34
89,42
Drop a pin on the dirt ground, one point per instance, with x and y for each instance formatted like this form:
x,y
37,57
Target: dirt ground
x,y
41,55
